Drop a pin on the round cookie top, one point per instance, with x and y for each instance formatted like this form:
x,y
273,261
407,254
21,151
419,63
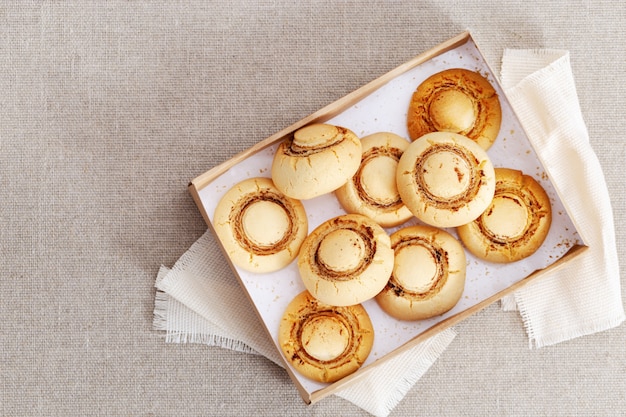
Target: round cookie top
x,y
445,179
507,217
323,342
316,136
264,222
315,160
445,175
260,228
405,268
342,250
372,191
346,260
516,222
428,277
325,338
452,110
456,100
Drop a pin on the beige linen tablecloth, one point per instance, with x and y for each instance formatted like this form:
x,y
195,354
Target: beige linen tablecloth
x,y
107,110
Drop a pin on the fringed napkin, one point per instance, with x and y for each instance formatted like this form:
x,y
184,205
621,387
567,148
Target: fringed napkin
x,y
194,303
584,296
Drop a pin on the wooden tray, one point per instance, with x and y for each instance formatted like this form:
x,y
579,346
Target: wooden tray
x,y
381,105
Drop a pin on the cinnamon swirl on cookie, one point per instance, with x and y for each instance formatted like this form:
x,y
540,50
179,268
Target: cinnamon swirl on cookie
x,y
456,100
324,342
428,276
445,179
260,228
372,191
315,160
516,222
346,260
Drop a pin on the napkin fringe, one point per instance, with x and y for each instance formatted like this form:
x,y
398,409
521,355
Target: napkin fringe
x,y
436,346
381,395
559,337
160,322
572,332
209,340
159,316
508,303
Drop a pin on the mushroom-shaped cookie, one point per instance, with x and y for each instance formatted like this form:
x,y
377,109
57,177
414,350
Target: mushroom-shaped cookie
x,y
428,277
315,160
346,260
445,179
259,227
516,222
456,100
372,191
323,342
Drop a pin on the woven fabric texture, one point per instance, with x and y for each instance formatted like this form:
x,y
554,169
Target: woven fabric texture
x,y
107,110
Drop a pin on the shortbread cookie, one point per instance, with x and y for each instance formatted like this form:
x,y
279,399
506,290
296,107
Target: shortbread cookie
x,y
260,228
516,222
372,191
346,260
315,160
445,179
428,277
456,100
322,342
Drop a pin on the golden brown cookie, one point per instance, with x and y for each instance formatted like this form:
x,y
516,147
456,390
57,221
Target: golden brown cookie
x,y
445,179
372,191
323,342
456,100
260,228
346,260
315,160
516,222
428,276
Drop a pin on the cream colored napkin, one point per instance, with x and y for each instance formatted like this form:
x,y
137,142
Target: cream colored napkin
x,y
584,296
194,304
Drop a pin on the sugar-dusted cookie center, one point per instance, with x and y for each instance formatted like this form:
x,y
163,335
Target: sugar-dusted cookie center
x,y
507,217
415,269
265,223
342,250
446,174
378,180
325,337
452,110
